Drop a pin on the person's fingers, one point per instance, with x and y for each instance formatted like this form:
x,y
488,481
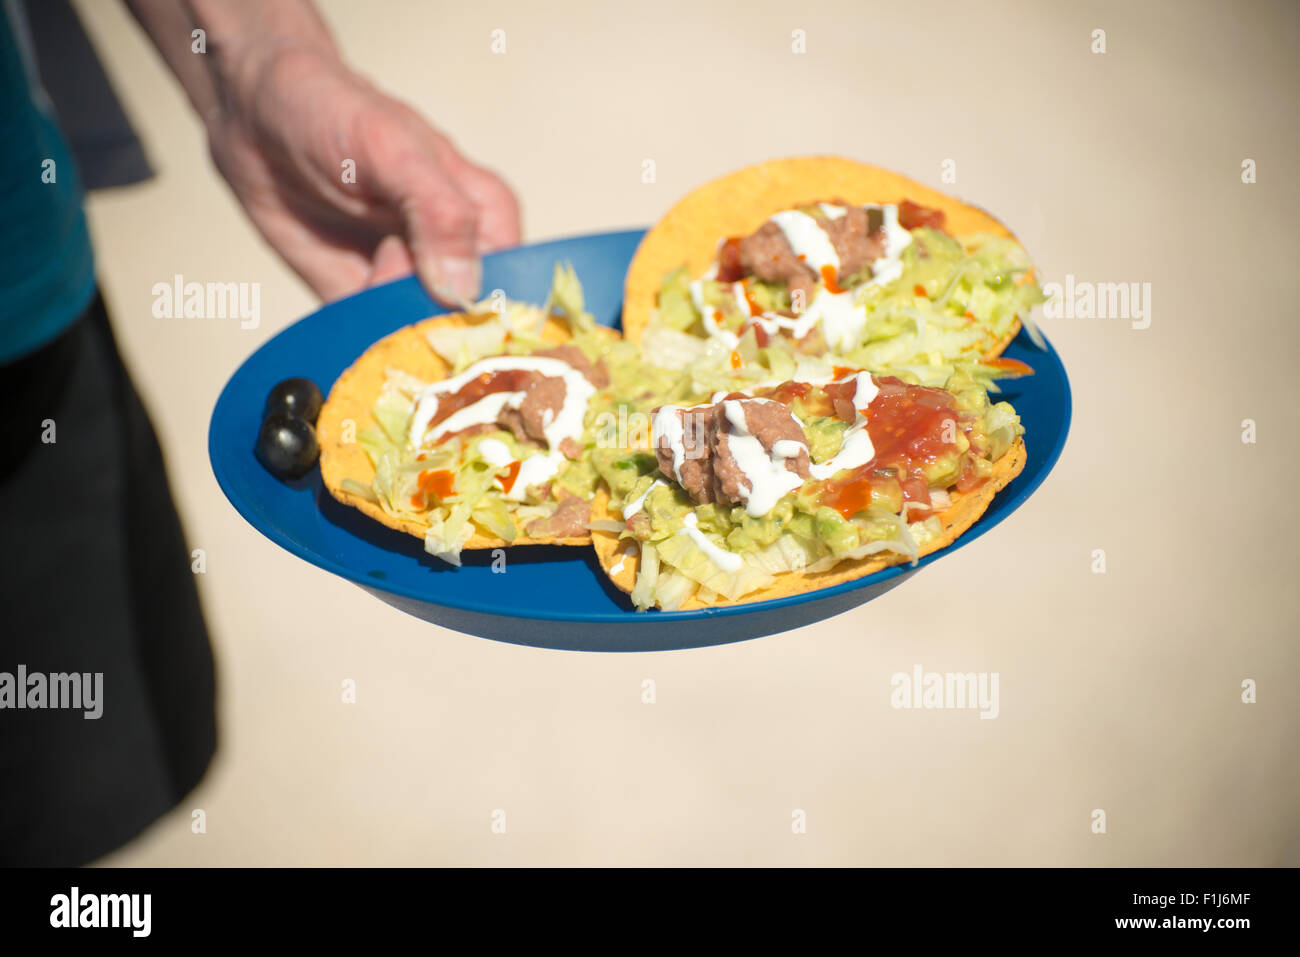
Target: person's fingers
x,y
391,260
498,216
440,223
333,269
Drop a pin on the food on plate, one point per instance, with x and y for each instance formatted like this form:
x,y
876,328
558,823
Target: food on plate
x,y
298,397
835,258
786,487
804,394
471,430
286,445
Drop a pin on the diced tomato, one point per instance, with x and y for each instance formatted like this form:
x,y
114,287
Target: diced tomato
x,y
913,216
908,424
850,498
761,336
915,488
730,268
841,396
829,277
736,360
969,480
814,400
512,473
438,483
919,290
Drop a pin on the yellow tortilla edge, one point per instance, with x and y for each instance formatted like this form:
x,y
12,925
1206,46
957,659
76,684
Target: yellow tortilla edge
x,y
354,393
959,516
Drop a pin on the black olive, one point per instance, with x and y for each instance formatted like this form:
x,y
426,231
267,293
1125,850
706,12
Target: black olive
x,y
300,397
286,445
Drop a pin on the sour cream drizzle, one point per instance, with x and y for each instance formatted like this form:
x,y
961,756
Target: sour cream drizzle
x,y
768,477
566,424
856,448
534,469
727,561
667,425
807,239
634,506
711,327
495,453
841,316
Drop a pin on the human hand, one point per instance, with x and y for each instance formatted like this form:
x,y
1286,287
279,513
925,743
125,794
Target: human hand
x,y
349,185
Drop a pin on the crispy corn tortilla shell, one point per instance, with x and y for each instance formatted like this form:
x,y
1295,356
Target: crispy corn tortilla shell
x,y
956,518
739,203
354,394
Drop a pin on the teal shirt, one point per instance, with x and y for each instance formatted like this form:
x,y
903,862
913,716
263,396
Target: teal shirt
x,y
47,270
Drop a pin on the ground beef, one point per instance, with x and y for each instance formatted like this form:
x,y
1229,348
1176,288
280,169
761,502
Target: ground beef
x,y
766,254
593,372
710,472
543,397
858,237
569,520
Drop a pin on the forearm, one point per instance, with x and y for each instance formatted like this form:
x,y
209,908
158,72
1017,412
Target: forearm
x,y
239,39
170,26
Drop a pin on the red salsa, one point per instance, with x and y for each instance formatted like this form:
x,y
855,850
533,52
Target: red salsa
x,y
433,483
505,380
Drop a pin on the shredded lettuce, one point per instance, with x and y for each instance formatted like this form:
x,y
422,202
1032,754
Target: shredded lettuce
x,y
392,410
646,577
446,539
676,311
567,299
461,346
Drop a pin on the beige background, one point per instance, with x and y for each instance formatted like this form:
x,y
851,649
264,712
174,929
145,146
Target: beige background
x,y
1118,691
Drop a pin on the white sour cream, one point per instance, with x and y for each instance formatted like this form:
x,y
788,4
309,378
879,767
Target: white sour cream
x,y
727,561
495,453
566,424
534,470
841,316
808,240
634,506
666,429
890,264
767,475
711,327
856,448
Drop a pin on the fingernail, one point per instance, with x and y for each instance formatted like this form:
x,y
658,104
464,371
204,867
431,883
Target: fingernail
x,y
460,276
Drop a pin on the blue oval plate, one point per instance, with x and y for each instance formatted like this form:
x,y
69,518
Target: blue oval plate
x,y
548,596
